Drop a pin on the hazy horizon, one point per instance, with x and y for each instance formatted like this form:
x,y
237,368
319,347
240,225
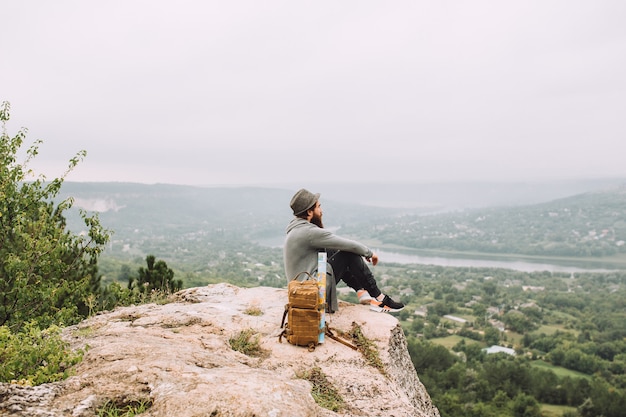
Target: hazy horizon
x,y
436,195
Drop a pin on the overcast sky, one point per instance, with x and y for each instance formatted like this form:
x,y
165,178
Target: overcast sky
x,y
263,92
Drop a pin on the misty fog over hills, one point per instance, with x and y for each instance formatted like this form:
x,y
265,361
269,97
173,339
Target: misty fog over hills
x,y
343,202
458,195
142,212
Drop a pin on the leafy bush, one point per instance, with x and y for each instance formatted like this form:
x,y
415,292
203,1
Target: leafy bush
x,y
47,272
33,356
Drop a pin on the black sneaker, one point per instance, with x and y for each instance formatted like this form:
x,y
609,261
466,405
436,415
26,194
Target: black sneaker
x,y
385,306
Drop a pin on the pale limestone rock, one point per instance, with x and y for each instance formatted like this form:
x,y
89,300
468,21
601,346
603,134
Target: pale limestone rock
x,y
177,356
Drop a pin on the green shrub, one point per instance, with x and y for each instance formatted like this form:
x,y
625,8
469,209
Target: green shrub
x,y
33,356
48,272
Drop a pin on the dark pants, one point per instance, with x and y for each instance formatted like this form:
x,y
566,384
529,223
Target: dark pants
x,y
352,269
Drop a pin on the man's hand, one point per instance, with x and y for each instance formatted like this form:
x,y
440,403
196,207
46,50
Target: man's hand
x,y
373,259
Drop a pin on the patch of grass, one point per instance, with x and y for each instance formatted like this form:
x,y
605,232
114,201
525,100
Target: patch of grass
x,y
550,329
323,391
86,331
513,338
159,297
549,410
367,348
560,371
113,408
450,341
248,343
253,311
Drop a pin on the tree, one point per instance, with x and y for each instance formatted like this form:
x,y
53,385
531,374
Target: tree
x,y
490,288
492,335
429,356
47,273
526,406
157,276
517,321
480,314
403,315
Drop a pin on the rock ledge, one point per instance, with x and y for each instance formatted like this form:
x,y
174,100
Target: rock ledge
x,y
177,356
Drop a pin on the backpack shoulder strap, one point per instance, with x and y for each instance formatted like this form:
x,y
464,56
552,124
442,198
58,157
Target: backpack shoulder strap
x,y
282,322
330,334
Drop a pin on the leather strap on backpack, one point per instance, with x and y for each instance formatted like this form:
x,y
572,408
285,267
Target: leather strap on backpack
x,y
330,334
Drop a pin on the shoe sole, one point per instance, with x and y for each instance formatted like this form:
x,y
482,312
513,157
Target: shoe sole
x,y
365,300
385,309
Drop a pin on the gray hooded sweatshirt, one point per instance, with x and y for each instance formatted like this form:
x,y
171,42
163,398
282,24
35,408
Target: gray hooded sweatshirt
x,y
303,242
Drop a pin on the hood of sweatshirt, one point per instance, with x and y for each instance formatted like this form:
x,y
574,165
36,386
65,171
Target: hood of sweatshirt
x,y
296,222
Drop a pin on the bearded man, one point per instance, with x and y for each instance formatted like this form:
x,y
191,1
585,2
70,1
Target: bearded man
x,y
306,237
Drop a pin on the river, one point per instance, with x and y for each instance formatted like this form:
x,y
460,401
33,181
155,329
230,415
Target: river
x,y
513,264
516,265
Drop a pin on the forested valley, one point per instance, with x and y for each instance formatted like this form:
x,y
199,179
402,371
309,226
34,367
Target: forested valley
x,y
564,333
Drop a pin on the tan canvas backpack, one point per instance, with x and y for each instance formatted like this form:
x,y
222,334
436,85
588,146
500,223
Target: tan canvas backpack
x,y
302,313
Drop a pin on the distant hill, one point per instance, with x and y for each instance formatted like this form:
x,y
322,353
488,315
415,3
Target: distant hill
x,y
126,207
128,204
191,227
162,219
592,224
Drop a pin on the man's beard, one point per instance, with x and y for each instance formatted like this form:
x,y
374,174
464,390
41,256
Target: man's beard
x,y
317,220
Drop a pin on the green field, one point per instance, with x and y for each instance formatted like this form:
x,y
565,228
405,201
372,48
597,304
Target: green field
x,y
560,372
450,341
549,410
550,329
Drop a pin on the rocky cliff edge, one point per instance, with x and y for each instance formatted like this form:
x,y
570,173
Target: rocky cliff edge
x,y
177,358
